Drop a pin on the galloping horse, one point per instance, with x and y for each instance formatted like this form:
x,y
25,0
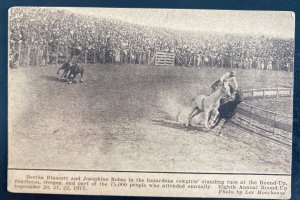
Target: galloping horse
x,y
74,71
208,105
228,109
66,67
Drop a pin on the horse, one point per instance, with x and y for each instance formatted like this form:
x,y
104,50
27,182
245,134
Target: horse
x,y
66,67
74,71
208,105
228,109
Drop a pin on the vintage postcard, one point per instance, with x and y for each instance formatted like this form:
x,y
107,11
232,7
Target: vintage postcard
x,y
150,102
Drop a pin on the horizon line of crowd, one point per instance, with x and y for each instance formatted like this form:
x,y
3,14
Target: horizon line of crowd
x,y
42,36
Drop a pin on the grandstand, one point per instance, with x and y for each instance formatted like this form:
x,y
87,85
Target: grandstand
x,y
41,36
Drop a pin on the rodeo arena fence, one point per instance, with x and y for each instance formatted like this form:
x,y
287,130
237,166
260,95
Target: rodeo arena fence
x,y
269,124
23,55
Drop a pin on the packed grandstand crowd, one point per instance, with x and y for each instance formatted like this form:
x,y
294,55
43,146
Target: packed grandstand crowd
x,y
57,33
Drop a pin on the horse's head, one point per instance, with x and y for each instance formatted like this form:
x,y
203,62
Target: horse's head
x,y
226,90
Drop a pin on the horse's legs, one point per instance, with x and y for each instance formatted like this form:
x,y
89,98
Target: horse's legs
x,y
222,126
71,80
213,116
196,112
189,117
68,73
192,113
63,74
81,81
177,116
206,115
59,70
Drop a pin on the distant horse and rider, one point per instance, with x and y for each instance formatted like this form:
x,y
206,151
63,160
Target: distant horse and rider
x,y
73,66
71,69
66,67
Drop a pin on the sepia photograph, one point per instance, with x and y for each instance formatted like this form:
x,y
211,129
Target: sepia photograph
x,y
129,97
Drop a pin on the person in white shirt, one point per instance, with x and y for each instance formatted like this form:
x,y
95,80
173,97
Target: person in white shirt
x,y
227,77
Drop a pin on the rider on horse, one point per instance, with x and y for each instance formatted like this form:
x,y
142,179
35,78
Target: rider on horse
x,y
227,77
76,53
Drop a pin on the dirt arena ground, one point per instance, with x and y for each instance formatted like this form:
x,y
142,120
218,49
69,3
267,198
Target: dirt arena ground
x,y
121,117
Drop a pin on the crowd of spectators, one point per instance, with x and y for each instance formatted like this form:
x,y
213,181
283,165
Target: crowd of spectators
x,y
52,35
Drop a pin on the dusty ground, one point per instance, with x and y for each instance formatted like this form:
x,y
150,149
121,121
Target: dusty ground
x,y
122,118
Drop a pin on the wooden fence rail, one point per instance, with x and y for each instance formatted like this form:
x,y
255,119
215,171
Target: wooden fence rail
x,y
262,119
164,58
267,93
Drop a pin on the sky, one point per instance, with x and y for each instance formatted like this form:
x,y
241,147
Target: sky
x,y
270,23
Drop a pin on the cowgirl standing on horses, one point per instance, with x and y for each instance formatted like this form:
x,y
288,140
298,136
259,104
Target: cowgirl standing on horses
x,y
227,77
